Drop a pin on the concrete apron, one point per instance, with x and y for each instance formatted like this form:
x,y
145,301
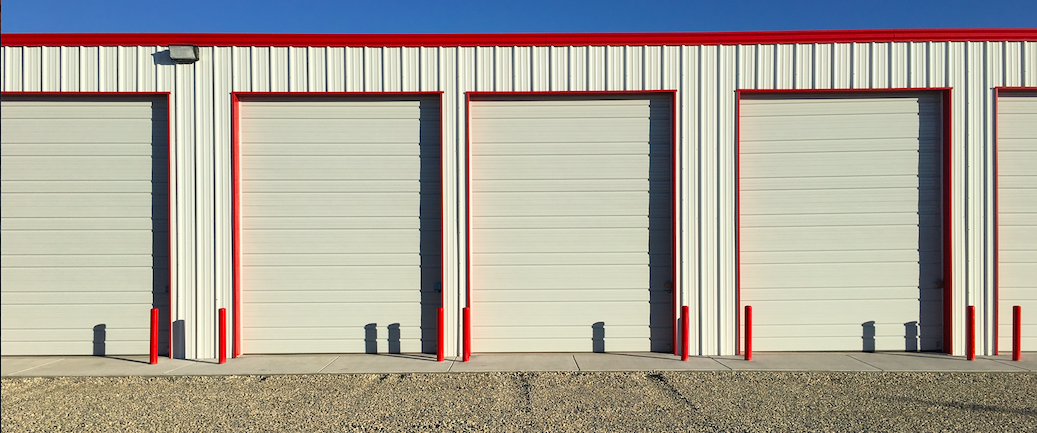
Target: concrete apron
x,y
48,366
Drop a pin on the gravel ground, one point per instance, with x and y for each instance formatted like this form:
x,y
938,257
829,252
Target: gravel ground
x,y
540,401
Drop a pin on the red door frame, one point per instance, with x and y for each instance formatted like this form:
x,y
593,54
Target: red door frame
x,y
947,185
169,174
578,94
235,153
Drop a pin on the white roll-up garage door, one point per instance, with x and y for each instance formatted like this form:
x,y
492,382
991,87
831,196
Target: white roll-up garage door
x,y
840,221
1017,215
570,223
340,224
85,224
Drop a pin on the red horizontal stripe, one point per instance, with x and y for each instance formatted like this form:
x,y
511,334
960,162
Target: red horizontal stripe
x,y
516,39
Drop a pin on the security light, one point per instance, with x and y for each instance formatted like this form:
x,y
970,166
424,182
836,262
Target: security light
x,y
183,53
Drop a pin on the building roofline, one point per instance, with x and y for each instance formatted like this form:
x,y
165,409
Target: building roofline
x,y
517,39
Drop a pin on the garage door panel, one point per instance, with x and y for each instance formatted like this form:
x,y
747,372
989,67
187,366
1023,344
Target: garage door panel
x,y
570,258
82,317
570,205
575,221
840,127
341,220
331,277
563,345
84,218
73,168
841,223
77,295
840,275
569,295
88,131
296,345
370,332
523,167
77,242
532,240
1020,235
370,206
110,278
817,165
556,149
815,201
843,293
1018,276
834,220
311,150
561,277
838,238
661,188
1014,201
1018,162
54,348
350,316
73,150
843,183
856,256
824,312
561,130
561,314
1017,214
282,167
348,131
559,204
561,109
587,332
748,148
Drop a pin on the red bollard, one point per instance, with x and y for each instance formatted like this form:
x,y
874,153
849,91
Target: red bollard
x,y
467,349
685,314
748,333
970,333
223,336
439,329
154,336
1017,333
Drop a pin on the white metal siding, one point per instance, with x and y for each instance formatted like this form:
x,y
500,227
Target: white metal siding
x,y
841,227
85,226
340,224
570,218
1017,216
704,76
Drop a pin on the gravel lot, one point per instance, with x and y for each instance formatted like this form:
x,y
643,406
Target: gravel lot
x,y
540,401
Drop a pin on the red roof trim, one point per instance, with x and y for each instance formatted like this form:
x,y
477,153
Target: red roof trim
x,y
516,39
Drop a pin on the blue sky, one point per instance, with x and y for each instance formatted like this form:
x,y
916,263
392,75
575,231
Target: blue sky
x,y
531,16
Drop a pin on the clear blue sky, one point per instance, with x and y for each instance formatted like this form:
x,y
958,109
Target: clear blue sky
x,y
530,16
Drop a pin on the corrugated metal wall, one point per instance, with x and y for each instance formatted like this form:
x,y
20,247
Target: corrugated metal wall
x,y
705,78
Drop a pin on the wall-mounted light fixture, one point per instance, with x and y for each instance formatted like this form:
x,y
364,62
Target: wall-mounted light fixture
x,y
183,53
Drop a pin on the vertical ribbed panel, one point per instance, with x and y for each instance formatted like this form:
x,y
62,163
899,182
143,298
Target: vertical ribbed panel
x,y
704,76
223,82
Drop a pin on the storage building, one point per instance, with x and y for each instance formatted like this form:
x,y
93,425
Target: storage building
x,y
860,190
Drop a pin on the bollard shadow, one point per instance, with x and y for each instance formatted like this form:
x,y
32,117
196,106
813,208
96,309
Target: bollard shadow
x,y
179,339
100,335
598,337
868,338
394,338
371,338
911,336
